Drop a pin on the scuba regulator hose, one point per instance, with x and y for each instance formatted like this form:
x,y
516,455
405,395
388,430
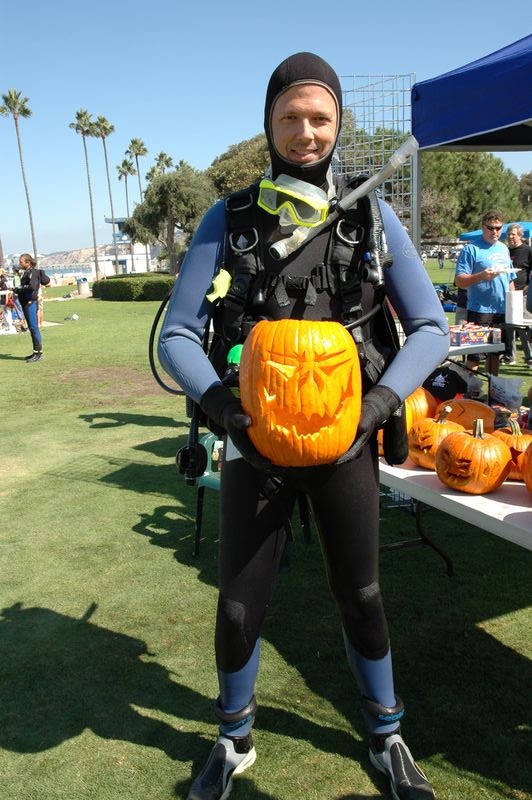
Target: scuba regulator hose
x,y
151,357
191,460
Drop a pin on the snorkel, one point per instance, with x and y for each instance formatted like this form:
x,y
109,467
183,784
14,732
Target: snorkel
x,y
285,247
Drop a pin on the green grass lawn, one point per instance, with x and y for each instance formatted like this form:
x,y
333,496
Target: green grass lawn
x,y
437,275
107,678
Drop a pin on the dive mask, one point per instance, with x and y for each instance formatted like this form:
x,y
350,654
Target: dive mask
x,y
305,204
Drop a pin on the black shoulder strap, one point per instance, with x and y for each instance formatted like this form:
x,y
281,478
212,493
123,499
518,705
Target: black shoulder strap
x,y
347,251
241,258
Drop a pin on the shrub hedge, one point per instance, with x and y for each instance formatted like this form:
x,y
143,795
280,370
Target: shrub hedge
x,y
142,286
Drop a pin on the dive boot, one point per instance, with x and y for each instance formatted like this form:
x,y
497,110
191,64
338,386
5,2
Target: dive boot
x,y
390,755
230,756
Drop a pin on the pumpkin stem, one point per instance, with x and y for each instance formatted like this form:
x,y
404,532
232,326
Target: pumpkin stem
x,y
514,427
478,429
442,416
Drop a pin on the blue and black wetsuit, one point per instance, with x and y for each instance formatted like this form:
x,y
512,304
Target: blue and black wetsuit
x,y
344,499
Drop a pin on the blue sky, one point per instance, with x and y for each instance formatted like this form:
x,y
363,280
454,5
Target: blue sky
x,y
189,79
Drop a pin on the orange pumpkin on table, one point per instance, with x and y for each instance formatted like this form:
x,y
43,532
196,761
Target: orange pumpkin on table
x,y
518,441
300,383
420,404
525,465
425,436
466,411
473,462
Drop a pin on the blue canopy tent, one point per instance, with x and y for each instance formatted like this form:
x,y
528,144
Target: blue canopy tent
x,y
452,112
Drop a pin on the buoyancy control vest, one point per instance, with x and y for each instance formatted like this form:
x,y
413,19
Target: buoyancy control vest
x,y
341,277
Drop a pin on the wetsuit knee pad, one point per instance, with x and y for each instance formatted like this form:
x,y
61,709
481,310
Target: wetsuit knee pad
x,y
365,623
236,634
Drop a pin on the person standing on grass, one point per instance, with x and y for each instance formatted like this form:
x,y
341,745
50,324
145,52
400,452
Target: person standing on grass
x,y
441,259
6,303
319,281
31,281
484,268
17,306
521,257
461,307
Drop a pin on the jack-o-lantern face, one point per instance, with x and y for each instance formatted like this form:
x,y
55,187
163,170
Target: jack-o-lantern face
x,y
476,463
300,383
425,436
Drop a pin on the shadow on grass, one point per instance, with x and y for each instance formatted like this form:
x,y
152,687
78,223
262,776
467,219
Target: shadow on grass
x,y
8,357
63,675
116,419
136,476
165,447
243,785
466,692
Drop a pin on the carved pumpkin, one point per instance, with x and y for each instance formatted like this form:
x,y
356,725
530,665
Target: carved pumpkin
x,y
300,383
419,404
466,411
525,465
473,462
425,435
518,441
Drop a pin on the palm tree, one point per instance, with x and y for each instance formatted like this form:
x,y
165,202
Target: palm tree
x,y
136,149
84,125
162,162
152,173
125,169
103,129
17,106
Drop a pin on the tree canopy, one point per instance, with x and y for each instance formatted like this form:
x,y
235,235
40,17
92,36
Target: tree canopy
x,y
525,194
458,188
240,165
174,200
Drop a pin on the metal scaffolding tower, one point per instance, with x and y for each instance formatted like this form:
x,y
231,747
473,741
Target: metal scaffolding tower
x,y
376,120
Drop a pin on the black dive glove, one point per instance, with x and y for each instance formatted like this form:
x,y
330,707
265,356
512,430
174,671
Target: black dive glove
x,y
377,406
224,409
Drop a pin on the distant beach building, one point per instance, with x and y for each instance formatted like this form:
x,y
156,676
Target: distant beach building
x,y
131,256
66,266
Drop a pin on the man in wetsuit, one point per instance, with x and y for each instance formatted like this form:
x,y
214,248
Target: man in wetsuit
x,y
302,123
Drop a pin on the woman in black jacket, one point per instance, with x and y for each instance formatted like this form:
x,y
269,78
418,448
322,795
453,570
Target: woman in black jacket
x,y
28,293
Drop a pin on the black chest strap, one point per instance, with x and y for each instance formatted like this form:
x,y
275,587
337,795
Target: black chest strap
x,y
356,254
241,259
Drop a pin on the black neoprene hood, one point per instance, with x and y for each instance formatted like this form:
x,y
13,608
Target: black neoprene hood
x,y
300,68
